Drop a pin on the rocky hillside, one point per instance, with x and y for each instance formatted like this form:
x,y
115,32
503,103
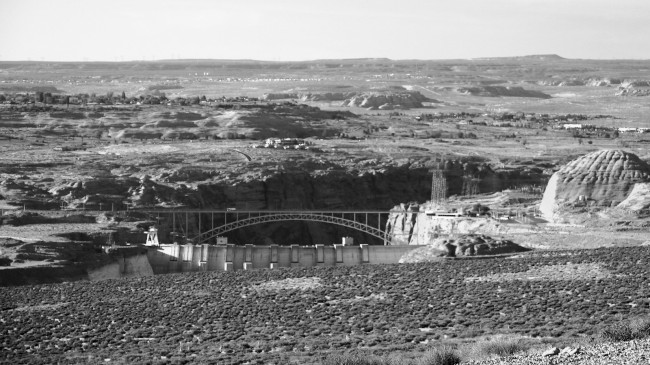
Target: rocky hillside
x,y
605,178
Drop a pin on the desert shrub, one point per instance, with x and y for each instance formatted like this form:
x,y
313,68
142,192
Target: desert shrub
x,y
618,332
641,327
626,331
439,356
498,347
354,359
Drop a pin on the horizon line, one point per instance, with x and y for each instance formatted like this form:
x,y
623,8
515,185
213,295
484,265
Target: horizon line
x,y
531,57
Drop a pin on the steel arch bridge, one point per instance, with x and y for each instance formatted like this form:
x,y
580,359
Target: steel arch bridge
x,y
233,220
277,217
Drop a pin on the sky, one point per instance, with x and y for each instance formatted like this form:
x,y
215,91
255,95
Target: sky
x,y
296,30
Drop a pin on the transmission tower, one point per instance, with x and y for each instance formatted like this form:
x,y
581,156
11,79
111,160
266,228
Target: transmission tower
x,y
438,187
470,185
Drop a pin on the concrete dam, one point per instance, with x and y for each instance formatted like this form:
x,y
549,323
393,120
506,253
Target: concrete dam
x,y
175,258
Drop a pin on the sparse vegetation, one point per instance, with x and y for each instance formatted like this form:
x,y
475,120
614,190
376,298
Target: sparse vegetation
x,y
627,330
231,311
444,355
498,347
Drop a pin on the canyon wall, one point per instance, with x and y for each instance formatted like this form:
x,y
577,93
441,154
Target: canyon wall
x,y
300,188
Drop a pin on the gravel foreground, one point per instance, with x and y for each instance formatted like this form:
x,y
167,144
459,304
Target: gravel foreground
x,y
302,315
615,353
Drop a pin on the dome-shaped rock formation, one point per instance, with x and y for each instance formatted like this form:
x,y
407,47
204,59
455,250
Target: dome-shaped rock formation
x,y
603,178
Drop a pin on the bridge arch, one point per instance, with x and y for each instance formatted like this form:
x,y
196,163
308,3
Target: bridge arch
x,y
295,216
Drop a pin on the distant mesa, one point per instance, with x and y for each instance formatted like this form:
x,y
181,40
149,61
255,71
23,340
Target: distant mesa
x,y
606,178
602,82
542,57
388,100
29,89
327,96
496,91
592,82
537,57
377,100
278,96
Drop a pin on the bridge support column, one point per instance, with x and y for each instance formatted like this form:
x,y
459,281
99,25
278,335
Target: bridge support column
x,y
295,254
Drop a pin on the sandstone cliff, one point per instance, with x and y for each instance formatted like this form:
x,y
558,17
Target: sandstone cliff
x,y
408,224
300,185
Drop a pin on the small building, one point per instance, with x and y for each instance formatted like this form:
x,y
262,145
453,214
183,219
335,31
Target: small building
x,y
627,130
347,241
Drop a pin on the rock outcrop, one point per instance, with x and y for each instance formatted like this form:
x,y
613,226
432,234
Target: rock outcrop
x,y
602,82
387,101
603,178
633,92
462,245
409,225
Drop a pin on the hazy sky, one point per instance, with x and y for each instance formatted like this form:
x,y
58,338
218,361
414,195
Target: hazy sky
x,y
113,30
